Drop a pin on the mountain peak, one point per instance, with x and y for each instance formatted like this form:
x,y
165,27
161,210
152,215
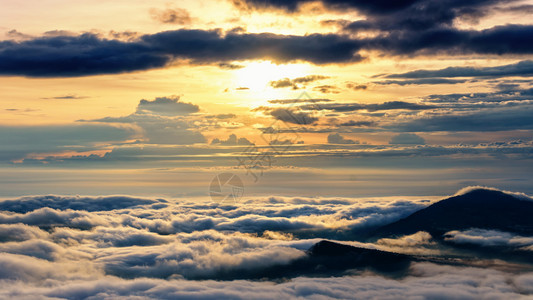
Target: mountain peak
x,y
478,191
477,207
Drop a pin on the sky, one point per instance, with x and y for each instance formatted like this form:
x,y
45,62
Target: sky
x,y
296,98
259,149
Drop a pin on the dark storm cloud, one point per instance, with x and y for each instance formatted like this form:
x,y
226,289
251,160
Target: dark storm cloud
x,y
414,27
87,54
206,46
522,9
523,68
424,28
500,40
75,56
416,15
292,5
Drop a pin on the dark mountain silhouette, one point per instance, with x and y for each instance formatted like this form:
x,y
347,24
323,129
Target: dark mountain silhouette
x,y
324,258
481,208
335,256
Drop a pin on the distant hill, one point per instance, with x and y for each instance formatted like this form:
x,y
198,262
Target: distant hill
x,y
325,259
480,208
335,256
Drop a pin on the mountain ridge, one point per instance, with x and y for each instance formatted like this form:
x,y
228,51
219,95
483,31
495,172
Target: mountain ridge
x,y
478,208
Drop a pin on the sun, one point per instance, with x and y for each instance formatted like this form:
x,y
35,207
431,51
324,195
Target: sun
x,y
257,76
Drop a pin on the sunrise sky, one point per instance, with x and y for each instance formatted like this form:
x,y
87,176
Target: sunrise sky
x,y
266,149
155,98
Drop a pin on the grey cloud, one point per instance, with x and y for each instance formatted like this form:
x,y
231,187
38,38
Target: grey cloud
x,y
31,203
512,118
67,97
358,123
486,237
231,141
230,66
293,101
407,139
221,116
430,282
34,248
20,232
112,237
294,83
46,217
309,78
356,87
55,137
20,141
420,81
282,83
26,270
185,240
14,34
327,89
177,16
522,68
220,156
391,105
259,224
167,106
500,96
162,120
293,116
159,129
335,138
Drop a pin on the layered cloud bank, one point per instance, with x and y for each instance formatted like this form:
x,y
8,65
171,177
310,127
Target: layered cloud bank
x,y
113,247
406,28
460,284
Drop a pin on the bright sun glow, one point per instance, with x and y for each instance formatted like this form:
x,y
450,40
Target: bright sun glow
x,y
257,75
